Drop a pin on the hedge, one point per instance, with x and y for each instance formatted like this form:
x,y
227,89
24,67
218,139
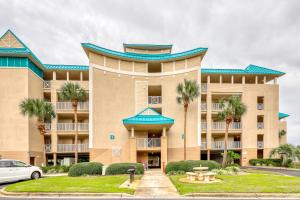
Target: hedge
x,y
188,165
122,168
86,168
266,162
55,169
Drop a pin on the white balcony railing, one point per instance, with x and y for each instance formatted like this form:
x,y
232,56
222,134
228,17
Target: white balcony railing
x,y
65,105
71,148
71,126
203,125
203,106
221,126
47,84
216,107
203,87
230,145
147,143
260,125
260,106
48,126
260,144
154,99
203,145
47,148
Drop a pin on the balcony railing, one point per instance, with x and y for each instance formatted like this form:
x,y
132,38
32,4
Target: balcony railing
x,y
147,143
230,145
64,105
154,99
216,107
260,106
203,125
47,148
260,144
48,126
260,125
203,106
203,145
47,84
203,87
221,126
62,148
71,126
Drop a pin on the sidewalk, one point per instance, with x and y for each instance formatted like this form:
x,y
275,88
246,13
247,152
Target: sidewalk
x,y
155,184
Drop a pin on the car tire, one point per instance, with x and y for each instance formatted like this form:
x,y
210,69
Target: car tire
x,y
35,175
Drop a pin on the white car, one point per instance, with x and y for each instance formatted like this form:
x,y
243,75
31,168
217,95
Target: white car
x,y
15,170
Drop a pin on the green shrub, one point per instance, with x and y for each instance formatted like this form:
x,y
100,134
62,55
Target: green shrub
x,y
296,165
55,169
122,168
86,168
265,162
188,165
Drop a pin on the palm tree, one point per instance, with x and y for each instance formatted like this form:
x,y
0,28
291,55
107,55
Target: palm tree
x,y
286,152
232,109
187,92
75,93
42,110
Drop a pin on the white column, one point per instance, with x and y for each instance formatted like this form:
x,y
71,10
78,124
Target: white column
x,y
232,79
243,80
256,79
164,132
221,79
104,61
265,79
208,79
132,132
68,76
275,80
54,75
81,76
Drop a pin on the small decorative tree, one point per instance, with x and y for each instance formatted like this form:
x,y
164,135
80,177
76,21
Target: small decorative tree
x,y
286,152
187,92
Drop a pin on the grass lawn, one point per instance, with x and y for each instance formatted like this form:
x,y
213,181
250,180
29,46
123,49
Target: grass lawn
x,y
254,182
96,184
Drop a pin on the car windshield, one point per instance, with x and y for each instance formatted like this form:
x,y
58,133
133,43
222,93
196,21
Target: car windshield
x,y
19,164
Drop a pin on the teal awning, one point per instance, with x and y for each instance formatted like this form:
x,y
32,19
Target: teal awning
x,y
147,117
282,115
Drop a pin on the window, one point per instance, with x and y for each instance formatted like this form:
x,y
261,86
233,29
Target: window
x,y
5,164
19,164
154,67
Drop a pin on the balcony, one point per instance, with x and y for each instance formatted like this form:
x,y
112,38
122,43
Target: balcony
x,y
203,87
203,145
260,106
67,148
68,106
219,145
48,127
216,107
260,144
203,106
47,84
47,148
154,99
71,126
148,143
221,126
203,125
260,125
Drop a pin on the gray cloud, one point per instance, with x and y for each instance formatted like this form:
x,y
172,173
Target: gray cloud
x,y
237,33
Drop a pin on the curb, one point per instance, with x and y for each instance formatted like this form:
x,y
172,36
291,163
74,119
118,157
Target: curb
x,y
52,194
275,195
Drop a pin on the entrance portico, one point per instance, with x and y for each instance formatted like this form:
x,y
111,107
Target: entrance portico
x,y
148,137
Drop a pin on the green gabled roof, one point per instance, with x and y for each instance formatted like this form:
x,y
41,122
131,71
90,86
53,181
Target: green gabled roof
x,y
250,69
148,46
282,115
143,57
148,116
20,51
66,67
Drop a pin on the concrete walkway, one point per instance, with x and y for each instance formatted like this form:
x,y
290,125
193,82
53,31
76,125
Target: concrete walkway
x,y
155,184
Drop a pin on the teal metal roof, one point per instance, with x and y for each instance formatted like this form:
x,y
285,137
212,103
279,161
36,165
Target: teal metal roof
x,y
282,115
148,46
143,57
66,67
250,69
148,116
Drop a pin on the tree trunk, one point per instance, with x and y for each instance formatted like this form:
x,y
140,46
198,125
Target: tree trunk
x,y
42,130
184,133
76,131
225,146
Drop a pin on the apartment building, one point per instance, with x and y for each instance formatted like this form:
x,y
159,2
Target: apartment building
x,y
131,114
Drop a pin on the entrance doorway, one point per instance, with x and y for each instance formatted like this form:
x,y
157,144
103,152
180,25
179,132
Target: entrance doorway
x,y
32,161
154,160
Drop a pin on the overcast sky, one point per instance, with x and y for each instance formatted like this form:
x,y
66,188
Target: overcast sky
x,y
237,33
